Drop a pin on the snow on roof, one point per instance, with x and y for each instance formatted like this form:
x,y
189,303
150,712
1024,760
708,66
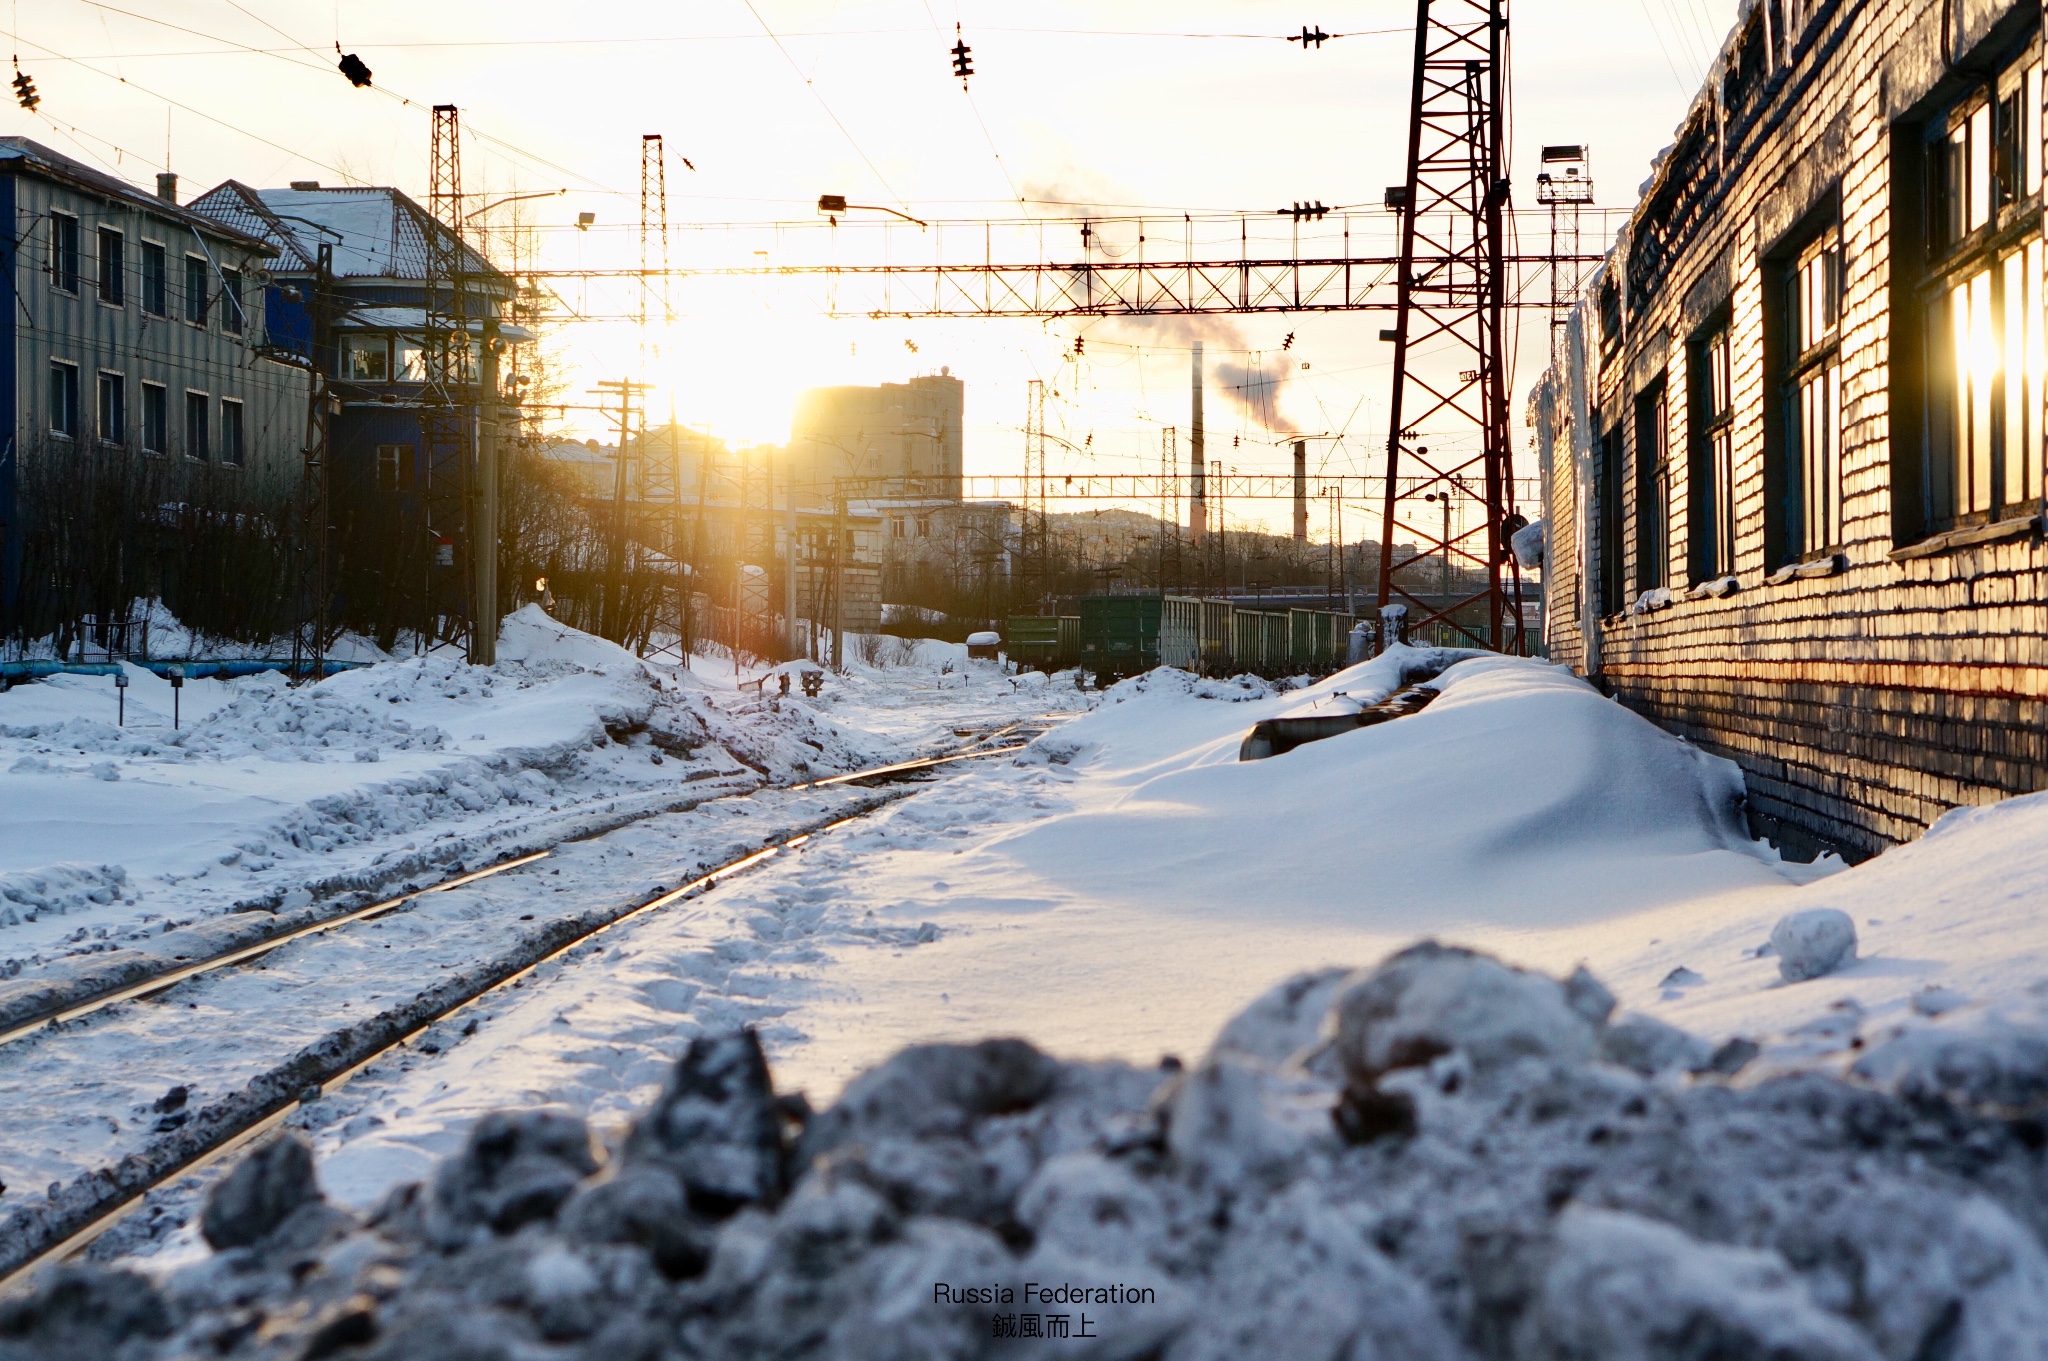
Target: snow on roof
x,y
22,154
377,233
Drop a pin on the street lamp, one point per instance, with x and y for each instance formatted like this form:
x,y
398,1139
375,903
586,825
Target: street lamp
x,y
832,205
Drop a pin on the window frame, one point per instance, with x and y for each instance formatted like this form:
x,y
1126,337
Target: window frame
x,y
161,393
112,266
116,382
374,343
64,276
1980,443
202,404
233,436
154,296
1610,520
401,460
1710,448
1651,518
63,399
198,300
233,316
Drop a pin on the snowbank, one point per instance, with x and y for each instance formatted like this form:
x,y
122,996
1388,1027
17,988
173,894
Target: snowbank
x,y
1451,1179
267,794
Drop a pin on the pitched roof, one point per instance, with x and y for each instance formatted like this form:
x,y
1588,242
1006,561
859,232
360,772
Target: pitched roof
x,y
22,155
377,233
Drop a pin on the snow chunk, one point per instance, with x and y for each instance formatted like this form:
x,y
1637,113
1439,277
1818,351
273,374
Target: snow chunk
x,y
1433,999
1814,942
1622,1286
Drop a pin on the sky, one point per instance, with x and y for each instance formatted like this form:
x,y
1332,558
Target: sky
x,y
1133,110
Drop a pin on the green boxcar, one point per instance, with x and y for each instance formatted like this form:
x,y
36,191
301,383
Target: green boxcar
x,y
1119,634
1032,640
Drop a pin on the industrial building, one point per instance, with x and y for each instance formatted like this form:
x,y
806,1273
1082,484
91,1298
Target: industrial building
x,y
1792,445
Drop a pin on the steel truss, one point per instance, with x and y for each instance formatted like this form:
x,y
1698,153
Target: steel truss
x,y
1151,288
1451,295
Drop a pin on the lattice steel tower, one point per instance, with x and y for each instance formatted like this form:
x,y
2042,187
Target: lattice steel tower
x,y
1447,431
447,417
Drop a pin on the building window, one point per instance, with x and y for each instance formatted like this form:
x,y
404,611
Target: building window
x,y
1609,491
197,287
1980,295
196,443
64,252
153,278
113,267
155,418
1653,481
64,399
1711,483
233,452
231,318
113,408
366,359
394,467
412,360
1813,398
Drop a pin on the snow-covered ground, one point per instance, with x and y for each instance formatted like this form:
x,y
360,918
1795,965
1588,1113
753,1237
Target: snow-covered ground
x,y
133,847
1126,884
267,796
1674,1150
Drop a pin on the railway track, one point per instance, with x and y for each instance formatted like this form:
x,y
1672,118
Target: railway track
x,y
85,1003
76,1214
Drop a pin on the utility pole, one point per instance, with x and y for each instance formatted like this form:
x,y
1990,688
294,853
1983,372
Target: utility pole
x,y
447,426
1198,484
319,447
612,614
789,563
483,537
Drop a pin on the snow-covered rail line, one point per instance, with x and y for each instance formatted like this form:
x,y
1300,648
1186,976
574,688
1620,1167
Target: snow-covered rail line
x,y
30,1005
74,1213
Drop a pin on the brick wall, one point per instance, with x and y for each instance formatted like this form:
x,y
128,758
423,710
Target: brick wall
x,y
1864,703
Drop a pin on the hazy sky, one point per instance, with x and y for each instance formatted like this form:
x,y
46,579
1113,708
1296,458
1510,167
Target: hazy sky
x,y
1106,102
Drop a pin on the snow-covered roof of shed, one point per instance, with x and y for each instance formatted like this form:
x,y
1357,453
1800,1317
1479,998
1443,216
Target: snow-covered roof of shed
x,y
25,154
377,233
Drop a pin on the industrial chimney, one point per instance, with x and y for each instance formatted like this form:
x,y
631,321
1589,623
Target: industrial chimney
x,y
1301,491
167,186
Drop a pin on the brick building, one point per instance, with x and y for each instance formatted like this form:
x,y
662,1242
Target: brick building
x,y
1792,449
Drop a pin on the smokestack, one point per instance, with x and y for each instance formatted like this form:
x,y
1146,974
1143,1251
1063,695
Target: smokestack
x,y
167,186
1301,491
1198,507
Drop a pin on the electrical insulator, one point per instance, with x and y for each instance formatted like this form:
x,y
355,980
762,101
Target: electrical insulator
x,y
352,66
1080,344
25,89
1288,343
1311,37
963,63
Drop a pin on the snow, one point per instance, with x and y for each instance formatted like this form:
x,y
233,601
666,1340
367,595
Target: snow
x,y
1769,1038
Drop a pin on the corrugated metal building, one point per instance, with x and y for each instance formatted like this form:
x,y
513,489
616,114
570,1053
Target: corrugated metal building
x,y
137,326
1793,453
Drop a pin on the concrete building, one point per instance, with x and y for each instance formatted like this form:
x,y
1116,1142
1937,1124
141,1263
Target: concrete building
x,y
137,326
1793,455
895,442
